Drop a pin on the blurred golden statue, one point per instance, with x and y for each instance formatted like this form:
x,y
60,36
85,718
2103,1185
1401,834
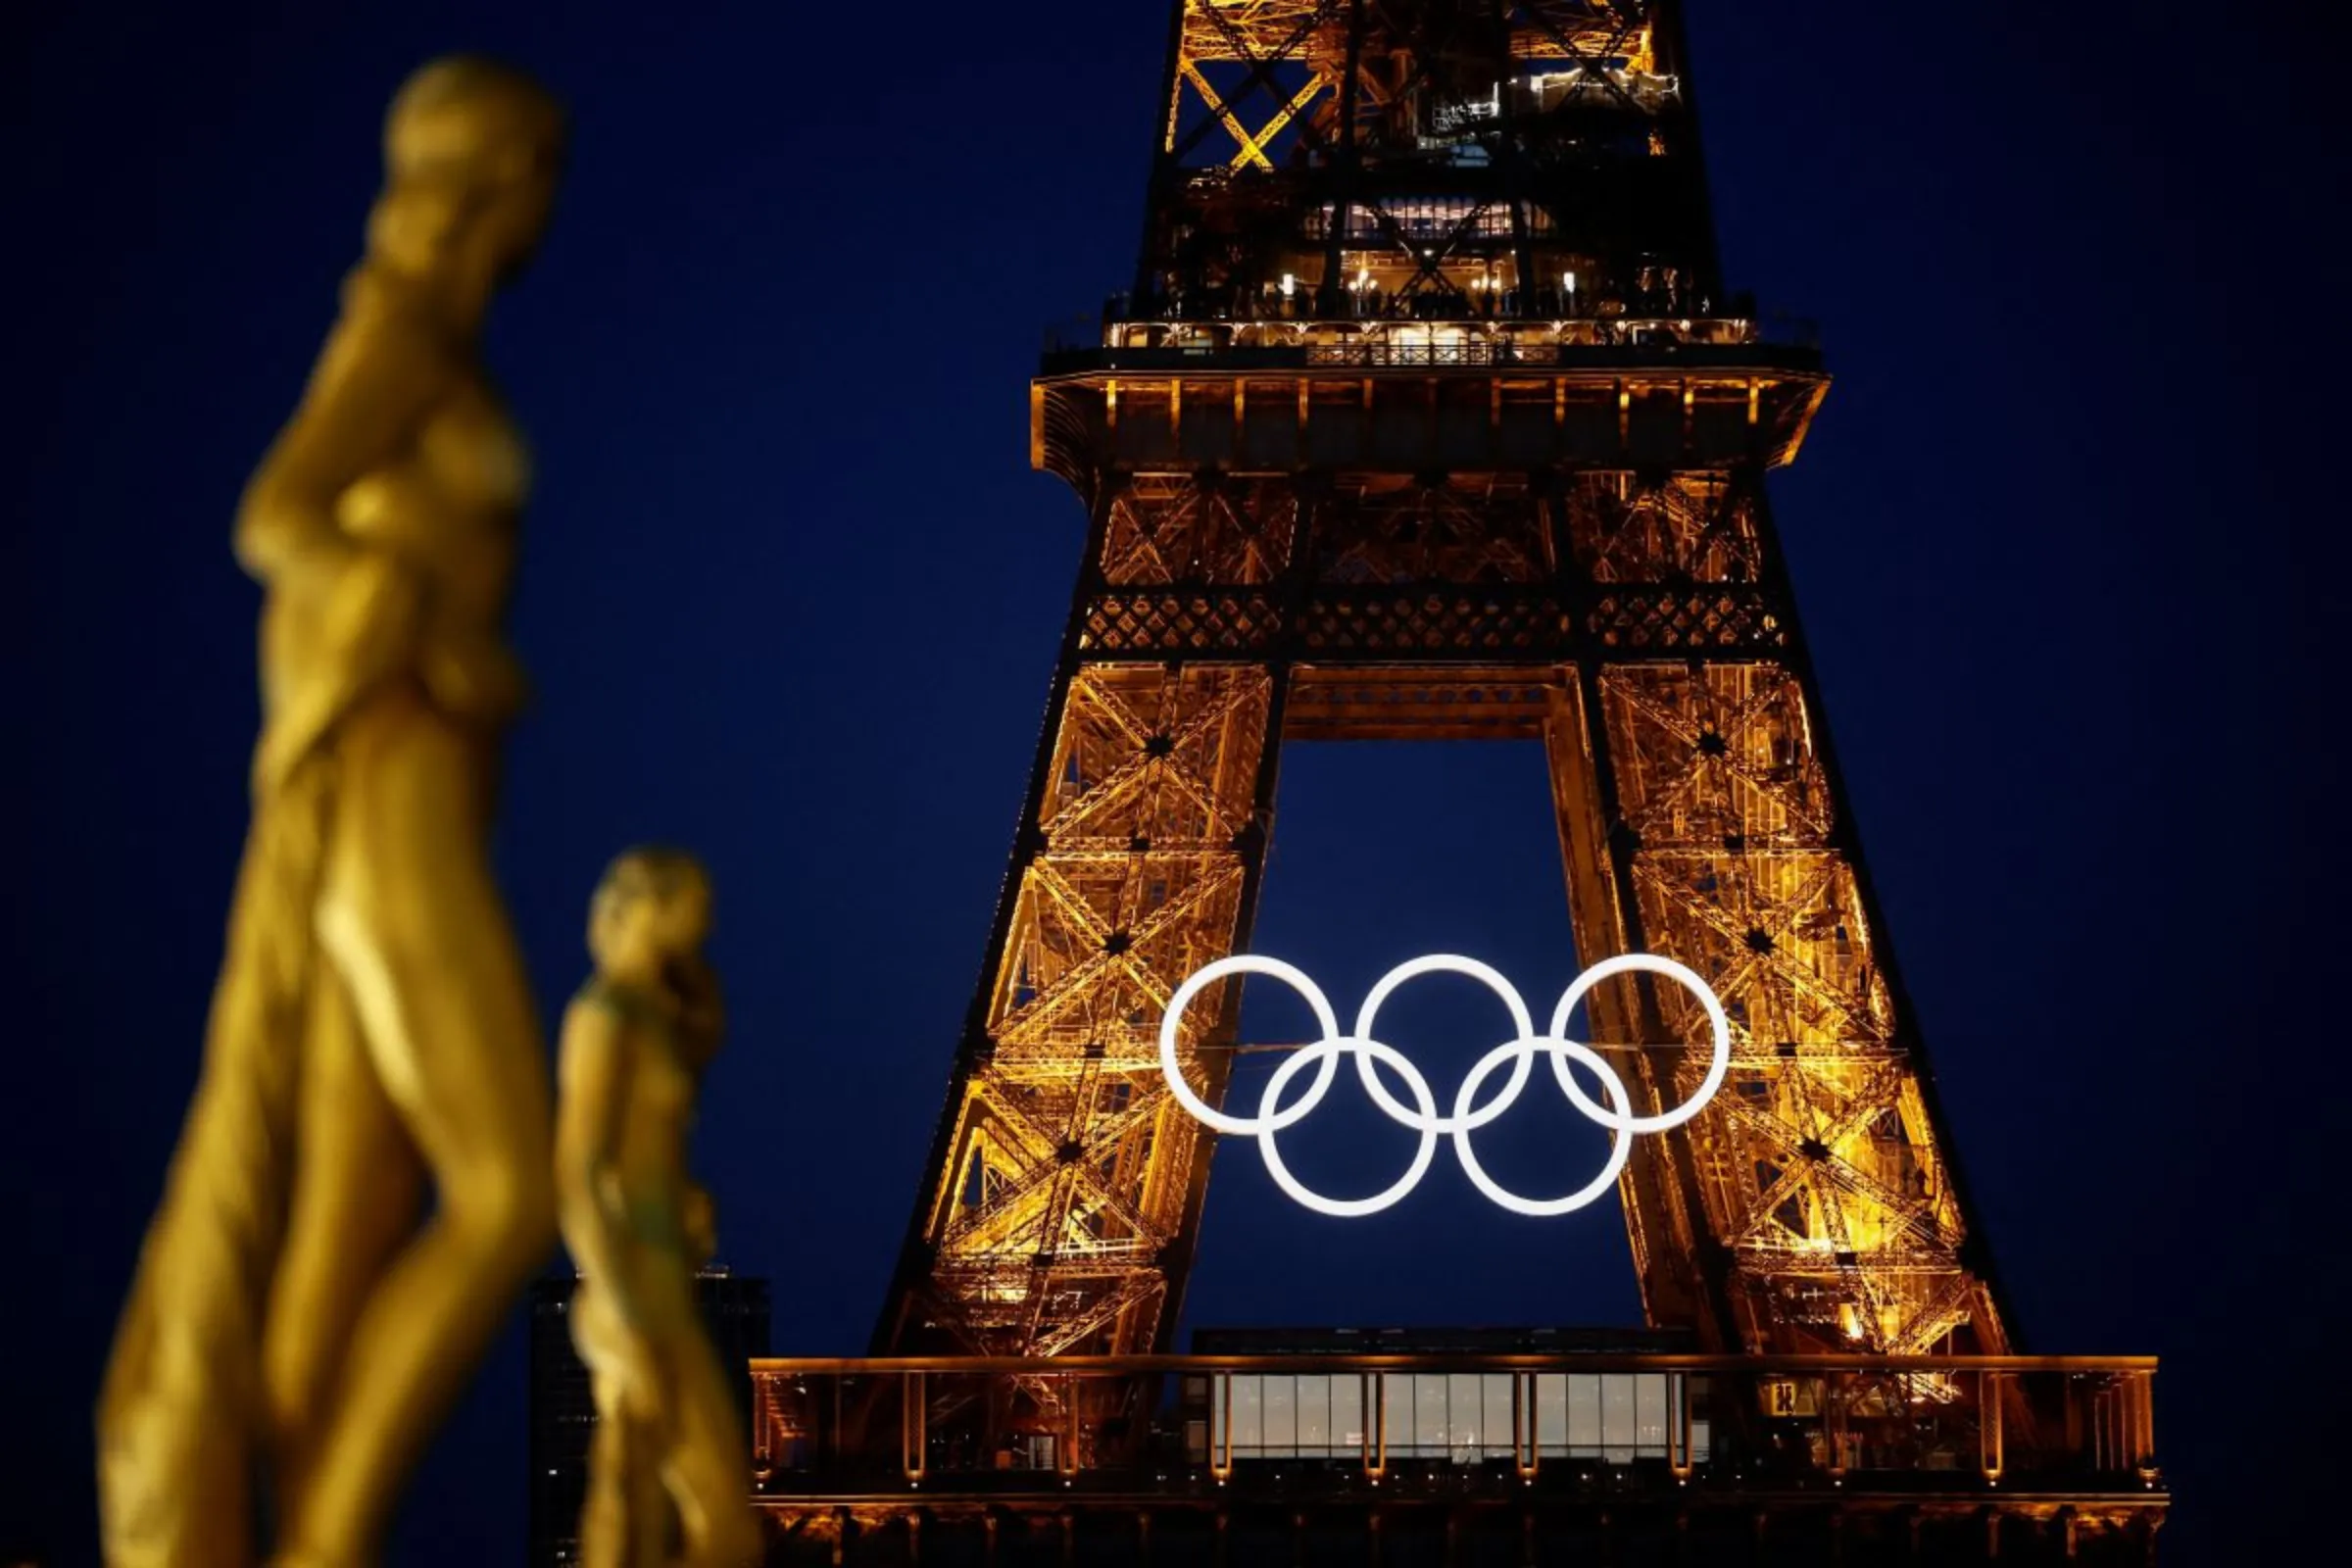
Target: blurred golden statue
x,y
372,1031
669,1455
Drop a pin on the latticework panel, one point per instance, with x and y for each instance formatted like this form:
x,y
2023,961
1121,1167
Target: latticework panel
x,y
1430,623
1464,529
1253,30
1249,72
1817,1163
1719,621
1699,526
1191,528
1072,1166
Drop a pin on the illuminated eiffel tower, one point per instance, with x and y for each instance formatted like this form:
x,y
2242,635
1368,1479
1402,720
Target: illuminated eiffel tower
x,y
1429,415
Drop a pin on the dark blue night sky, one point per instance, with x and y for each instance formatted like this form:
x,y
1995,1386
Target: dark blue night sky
x,y
2065,536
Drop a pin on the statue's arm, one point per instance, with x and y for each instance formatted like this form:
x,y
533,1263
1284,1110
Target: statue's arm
x,y
374,381
593,1083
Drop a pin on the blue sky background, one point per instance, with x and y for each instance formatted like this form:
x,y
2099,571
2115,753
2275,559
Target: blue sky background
x,y
2065,538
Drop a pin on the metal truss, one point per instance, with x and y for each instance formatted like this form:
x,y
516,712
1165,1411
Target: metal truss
x,y
1325,142
1247,71
1070,1174
1818,1165
1296,533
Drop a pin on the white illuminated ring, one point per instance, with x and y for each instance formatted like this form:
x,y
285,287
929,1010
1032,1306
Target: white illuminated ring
x,y
1426,1119
1422,1117
1621,1142
1173,1070
1444,963
1716,1024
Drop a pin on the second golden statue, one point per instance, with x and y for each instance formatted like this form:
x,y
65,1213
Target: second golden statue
x,y
670,1478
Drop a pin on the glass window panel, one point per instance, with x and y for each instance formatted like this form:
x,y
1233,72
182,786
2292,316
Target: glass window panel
x,y
1551,1412
1429,1414
1347,1414
1617,1417
1314,1416
1498,1437
1248,1407
1649,1413
1462,1395
1279,1415
1216,1412
1698,1439
1396,1427
1584,1414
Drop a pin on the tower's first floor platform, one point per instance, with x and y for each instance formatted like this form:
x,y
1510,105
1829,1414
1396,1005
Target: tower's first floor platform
x,y
1567,1454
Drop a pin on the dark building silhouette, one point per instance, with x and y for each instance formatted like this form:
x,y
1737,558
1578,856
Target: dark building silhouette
x,y
564,1413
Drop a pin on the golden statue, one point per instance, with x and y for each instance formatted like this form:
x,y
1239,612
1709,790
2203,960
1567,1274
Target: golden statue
x,y
373,1030
669,1449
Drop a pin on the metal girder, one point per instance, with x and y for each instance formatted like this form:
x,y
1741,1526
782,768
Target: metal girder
x,y
1537,29
1069,1170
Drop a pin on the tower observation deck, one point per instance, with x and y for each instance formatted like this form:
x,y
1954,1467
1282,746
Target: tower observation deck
x,y
1429,415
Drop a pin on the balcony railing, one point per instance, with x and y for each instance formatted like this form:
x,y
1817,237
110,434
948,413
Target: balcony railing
x,y
1414,345
1148,1425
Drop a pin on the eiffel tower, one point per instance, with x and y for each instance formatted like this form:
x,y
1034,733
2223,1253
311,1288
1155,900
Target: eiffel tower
x,y
1430,416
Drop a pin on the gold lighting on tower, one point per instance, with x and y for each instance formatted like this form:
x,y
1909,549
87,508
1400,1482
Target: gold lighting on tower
x,y
1429,416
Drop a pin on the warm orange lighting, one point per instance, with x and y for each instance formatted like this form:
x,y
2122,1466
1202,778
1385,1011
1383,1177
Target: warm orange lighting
x,y
1694,803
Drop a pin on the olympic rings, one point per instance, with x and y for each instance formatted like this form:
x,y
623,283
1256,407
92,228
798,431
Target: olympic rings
x,y
1422,1117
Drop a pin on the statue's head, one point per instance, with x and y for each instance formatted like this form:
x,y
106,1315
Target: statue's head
x,y
473,151
651,912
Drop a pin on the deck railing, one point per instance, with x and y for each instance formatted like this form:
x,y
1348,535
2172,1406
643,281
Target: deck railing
x,y
1157,1424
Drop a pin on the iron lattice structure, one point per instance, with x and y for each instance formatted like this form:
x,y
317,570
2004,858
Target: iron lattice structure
x,y
1428,415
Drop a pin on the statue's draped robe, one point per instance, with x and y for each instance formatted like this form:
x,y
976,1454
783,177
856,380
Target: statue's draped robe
x,y
180,1416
